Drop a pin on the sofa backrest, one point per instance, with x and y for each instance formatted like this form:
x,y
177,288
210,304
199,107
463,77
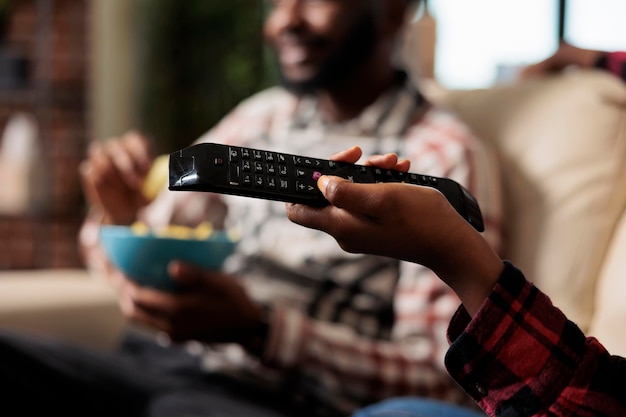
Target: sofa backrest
x,y
562,145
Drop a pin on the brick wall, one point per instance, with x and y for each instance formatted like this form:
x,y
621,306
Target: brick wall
x,y
52,35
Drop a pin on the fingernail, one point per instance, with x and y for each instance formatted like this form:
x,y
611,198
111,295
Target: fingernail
x,y
322,183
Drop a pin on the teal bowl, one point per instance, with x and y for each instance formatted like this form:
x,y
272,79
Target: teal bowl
x,y
144,257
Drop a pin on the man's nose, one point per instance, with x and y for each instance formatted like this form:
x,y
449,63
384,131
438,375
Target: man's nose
x,y
288,14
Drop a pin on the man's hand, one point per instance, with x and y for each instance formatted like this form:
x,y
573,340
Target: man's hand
x,y
211,307
112,176
567,55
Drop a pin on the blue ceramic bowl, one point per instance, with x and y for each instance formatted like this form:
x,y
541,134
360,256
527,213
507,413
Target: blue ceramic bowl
x,y
145,257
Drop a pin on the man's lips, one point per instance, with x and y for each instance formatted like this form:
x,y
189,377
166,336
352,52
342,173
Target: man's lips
x,y
293,53
295,50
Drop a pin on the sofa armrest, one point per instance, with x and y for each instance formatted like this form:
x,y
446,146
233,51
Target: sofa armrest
x,y
610,308
68,304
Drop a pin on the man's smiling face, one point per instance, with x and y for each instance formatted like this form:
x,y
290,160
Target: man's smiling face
x,y
319,43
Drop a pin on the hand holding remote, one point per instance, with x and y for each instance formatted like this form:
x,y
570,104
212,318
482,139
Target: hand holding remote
x,y
291,178
414,224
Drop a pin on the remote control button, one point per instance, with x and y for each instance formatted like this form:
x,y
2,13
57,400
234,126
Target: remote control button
x,y
305,188
259,181
300,173
257,155
270,169
233,154
258,167
307,162
282,159
269,156
271,183
282,170
284,185
246,179
245,153
245,166
234,174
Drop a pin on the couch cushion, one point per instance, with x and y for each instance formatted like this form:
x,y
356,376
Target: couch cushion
x,y
61,303
562,144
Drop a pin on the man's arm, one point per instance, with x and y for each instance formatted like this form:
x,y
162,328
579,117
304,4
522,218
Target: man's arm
x,y
614,62
570,56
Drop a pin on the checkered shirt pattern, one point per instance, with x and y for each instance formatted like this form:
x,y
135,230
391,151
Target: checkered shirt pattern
x,y
520,356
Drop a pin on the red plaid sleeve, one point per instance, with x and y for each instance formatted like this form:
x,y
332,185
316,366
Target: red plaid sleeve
x,y
614,62
520,356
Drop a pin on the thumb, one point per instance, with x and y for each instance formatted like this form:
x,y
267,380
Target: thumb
x,y
186,274
344,194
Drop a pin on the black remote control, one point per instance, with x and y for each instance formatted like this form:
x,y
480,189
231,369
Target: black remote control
x,y
291,178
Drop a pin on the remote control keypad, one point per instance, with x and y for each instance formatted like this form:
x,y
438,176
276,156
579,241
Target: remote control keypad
x,y
270,170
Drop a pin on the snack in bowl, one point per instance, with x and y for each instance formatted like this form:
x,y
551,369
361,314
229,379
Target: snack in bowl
x,y
143,254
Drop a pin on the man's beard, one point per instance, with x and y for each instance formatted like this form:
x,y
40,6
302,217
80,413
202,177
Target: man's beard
x,y
357,47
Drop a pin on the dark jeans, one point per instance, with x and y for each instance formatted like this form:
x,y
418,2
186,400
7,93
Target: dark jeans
x,y
43,377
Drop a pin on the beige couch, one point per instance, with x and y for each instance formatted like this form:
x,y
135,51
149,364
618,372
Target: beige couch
x,y
562,145
561,142
64,303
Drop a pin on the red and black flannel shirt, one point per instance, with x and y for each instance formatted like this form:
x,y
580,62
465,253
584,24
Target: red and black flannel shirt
x,y
614,62
520,356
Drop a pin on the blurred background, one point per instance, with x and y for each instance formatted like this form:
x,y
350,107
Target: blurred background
x,y
73,71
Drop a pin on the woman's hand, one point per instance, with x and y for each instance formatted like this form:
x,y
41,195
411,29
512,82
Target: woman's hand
x,y
407,222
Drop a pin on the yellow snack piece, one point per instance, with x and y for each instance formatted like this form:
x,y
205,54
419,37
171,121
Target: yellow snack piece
x,y
233,235
175,231
203,231
140,228
157,177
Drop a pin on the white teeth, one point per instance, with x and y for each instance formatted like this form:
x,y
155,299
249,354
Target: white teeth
x,y
292,55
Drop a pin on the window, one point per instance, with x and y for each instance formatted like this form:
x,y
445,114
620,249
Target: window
x,y
479,41
597,24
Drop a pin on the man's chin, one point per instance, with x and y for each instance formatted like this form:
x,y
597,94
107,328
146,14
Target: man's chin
x,y
301,86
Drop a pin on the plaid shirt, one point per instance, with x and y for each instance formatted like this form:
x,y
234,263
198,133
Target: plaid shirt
x,y
614,62
347,329
520,356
